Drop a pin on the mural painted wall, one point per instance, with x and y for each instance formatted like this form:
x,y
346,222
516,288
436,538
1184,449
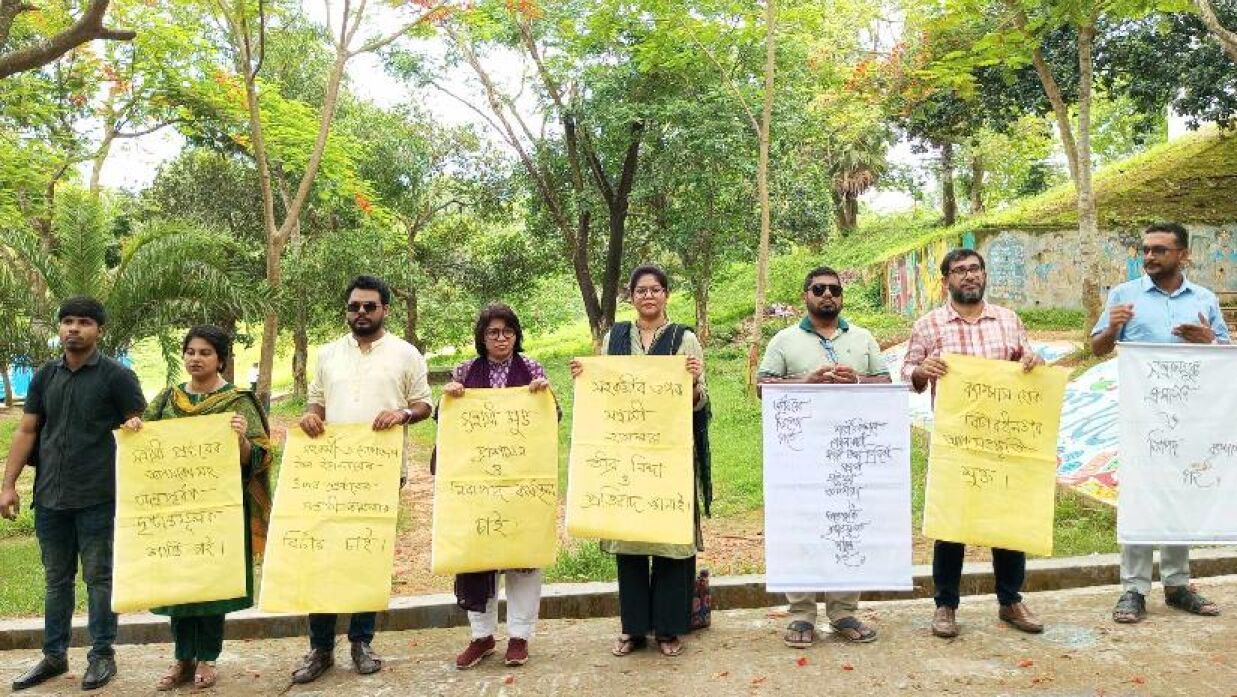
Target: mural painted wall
x,y
1041,269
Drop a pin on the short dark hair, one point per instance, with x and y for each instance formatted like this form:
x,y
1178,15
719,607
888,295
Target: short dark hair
x,y
956,255
1173,228
369,283
216,337
490,313
83,306
819,271
647,270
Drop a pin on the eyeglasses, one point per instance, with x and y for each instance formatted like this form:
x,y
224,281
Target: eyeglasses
x,y
505,332
368,306
648,291
818,289
964,271
1158,250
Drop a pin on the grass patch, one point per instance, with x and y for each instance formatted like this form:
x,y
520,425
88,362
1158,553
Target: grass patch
x,y
21,584
581,561
1053,319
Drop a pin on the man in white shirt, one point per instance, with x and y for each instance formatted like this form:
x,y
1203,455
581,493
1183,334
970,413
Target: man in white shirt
x,y
366,376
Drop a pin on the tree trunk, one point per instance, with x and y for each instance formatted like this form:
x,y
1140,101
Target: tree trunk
x,y
300,358
977,184
762,189
9,397
701,294
1088,215
228,325
949,197
411,317
1224,35
618,203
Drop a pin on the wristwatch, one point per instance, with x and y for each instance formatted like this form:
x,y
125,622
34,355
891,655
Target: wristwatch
x,y
407,415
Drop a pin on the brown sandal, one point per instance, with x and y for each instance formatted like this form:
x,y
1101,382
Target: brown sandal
x,y
626,644
205,676
670,646
179,674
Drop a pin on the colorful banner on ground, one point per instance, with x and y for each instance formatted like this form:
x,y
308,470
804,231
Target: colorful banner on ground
x,y
1178,444
496,487
837,471
993,458
180,521
331,543
1087,444
630,474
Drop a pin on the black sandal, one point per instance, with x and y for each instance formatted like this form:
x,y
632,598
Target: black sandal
x,y
1190,600
865,634
1130,609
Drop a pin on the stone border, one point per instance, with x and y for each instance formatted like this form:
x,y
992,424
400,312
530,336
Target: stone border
x,y
587,600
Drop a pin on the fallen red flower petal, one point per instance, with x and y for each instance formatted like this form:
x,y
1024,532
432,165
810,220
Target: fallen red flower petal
x,y
509,680
1026,663
847,666
802,661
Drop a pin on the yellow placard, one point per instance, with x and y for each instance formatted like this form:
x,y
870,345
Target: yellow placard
x,y
630,474
993,460
332,540
180,521
496,487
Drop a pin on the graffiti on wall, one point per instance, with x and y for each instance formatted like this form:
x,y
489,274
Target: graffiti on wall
x,y
1006,255
1041,269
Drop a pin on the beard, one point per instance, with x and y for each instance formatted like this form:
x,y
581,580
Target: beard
x,y
824,312
966,297
375,326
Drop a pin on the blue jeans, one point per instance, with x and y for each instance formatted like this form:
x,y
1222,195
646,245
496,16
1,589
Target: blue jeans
x,y
322,629
64,536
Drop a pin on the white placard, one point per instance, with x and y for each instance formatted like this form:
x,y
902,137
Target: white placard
x,y
837,487
1178,471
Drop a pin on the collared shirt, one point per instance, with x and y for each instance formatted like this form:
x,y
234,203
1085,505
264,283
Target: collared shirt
x,y
1156,312
996,333
78,410
799,349
499,370
353,386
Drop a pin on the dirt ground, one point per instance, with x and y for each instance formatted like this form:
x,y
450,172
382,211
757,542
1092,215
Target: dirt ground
x,y
1081,653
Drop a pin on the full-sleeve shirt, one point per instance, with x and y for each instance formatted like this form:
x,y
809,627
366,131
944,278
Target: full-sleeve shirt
x,y
353,385
1157,313
996,333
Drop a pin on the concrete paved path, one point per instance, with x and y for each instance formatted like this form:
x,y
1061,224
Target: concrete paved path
x,y
1081,653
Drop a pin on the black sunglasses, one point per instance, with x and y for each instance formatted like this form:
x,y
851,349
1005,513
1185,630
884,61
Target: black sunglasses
x,y
368,306
818,289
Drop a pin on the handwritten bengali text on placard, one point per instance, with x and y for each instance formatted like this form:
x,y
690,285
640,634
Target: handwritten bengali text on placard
x,y
179,514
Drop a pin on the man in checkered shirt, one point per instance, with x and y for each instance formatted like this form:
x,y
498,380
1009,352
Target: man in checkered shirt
x,y
968,325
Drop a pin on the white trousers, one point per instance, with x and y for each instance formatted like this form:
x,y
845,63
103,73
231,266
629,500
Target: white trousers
x,y
523,592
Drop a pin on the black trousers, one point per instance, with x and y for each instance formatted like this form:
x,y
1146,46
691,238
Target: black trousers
x,y
1008,566
655,594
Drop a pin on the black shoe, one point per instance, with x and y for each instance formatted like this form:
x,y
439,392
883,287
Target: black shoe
x,y
315,663
364,658
99,673
46,669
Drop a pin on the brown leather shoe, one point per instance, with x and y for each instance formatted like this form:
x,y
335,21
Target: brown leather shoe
x,y
1021,617
944,624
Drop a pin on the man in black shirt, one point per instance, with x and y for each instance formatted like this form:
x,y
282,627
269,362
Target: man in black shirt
x,y
73,404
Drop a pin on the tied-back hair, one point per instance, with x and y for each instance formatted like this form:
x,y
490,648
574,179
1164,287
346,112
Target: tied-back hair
x,y
647,270
216,337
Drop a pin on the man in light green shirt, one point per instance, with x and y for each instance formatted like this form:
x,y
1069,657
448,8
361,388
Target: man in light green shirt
x,y
823,348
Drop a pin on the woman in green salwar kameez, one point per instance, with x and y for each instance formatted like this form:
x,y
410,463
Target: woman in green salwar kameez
x,y
198,627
